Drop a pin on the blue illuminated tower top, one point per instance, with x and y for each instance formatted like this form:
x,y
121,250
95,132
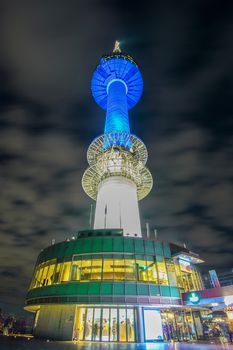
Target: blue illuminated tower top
x,y
117,86
117,156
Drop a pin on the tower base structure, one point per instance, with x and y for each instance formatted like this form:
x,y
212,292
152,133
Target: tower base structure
x,y
116,205
103,286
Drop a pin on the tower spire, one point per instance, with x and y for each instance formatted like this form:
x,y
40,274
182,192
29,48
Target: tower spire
x,y
117,48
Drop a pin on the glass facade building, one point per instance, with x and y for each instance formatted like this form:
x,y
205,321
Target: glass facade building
x,y
112,285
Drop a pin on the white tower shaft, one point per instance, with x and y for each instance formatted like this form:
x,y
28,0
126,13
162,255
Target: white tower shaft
x,y
117,206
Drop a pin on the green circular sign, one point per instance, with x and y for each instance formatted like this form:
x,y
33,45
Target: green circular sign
x,y
194,297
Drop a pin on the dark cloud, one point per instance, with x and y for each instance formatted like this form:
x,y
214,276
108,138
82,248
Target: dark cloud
x,y
48,118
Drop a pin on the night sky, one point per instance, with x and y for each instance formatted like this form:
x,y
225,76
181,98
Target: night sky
x,y
48,52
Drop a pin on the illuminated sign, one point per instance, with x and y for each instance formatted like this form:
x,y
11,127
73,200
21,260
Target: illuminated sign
x,y
194,297
228,300
207,316
153,325
230,315
214,279
185,265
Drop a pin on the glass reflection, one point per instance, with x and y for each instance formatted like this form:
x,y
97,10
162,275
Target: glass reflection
x,y
163,279
113,325
130,270
86,269
96,272
130,325
105,325
141,268
171,272
96,324
65,276
152,270
88,325
119,267
122,324
108,268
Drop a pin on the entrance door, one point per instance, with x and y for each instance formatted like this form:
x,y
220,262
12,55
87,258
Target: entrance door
x,y
153,325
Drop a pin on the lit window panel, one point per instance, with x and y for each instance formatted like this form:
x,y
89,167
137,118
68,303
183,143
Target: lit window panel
x,y
141,268
163,279
108,271
130,269
119,267
86,268
171,272
76,270
97,266
152,270
65,276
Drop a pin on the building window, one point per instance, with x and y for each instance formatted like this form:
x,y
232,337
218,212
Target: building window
x,y
130,325
190,276
163,279
108,267
65,276
119,267
35,278
96,324
96,272
113,325
122,325
50,274
105,325
57,273
44,274
88,324
130,270
86,268
141,268
171,272
76,270
152,270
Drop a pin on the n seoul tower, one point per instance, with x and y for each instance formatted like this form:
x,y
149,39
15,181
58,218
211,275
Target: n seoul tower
x,y
108,283
117,177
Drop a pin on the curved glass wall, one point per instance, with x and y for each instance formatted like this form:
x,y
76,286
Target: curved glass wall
x,y
118,267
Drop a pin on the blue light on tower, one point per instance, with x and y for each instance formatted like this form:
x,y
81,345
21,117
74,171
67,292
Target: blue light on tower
x,y
117,157
117,86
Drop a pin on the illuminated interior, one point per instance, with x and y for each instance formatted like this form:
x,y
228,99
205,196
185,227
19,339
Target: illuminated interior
x,y
181,325
105,324
118,267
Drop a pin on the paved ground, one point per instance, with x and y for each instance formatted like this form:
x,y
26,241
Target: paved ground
x,y
11,343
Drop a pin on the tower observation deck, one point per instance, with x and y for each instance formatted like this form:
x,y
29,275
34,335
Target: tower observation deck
x,y
117,176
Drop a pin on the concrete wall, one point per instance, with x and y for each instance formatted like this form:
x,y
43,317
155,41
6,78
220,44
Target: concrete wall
x,y
55,322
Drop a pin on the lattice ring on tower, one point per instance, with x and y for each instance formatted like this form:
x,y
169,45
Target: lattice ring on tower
x,y
126,167
117,139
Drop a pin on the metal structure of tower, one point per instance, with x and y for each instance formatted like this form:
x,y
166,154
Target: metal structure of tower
x,y
117,177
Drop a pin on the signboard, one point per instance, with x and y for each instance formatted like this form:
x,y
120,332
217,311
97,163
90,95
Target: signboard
x,y
185,265
153,325
194,297
214,279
